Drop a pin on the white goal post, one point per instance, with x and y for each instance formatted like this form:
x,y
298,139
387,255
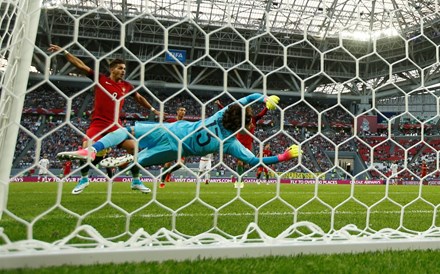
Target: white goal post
x,y
18,47
299,237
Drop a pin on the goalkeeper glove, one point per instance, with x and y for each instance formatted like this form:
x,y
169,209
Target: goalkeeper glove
x,y
272,102
292,152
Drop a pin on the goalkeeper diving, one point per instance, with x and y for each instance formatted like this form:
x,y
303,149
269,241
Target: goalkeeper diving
x,y
160,142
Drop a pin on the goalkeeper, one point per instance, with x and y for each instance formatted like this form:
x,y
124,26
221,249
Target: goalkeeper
x,y
160,145
245,138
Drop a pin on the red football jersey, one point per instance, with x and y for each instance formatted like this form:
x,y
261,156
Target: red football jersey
x,y
267,153
244,138
171,120
105,106
424,169
67,166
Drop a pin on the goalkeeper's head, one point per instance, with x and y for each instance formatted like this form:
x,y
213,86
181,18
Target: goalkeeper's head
x,y
233,117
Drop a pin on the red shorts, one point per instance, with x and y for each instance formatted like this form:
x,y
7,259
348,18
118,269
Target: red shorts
x,y
261,169
97,130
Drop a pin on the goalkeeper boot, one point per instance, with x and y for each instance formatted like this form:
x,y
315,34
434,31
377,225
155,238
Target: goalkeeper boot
x,y
82,184
82,154
118,161
138,185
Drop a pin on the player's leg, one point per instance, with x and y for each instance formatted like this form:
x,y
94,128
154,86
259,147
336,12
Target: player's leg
x,y
109,140
202,165
240,171
155,156
207,170
98,158
259,171
266,173
136,183
84,180
44,174
159,149
130,146
94,132
164,175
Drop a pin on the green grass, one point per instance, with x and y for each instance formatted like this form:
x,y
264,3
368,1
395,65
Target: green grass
x,y
125,211
272,207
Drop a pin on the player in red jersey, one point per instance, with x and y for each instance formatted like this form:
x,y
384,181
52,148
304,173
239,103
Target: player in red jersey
x,y
423,169
105,110
66,168
266,153
246,140
166,175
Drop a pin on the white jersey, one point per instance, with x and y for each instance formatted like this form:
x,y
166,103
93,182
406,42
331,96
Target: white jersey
x,y
207,157
205,165
394,168
44,165
205,162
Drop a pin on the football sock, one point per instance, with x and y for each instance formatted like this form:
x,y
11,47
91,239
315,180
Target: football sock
x,y
135,172
169,171
85,169
164,175
96,162
240,170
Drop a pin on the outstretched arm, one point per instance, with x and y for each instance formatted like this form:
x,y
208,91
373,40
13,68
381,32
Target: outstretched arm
x,y
72,59
237,150
219,105
261,114
270,101
143,102
251,98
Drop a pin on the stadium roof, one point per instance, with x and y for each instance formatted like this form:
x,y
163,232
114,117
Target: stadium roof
x,y
321,18
289,20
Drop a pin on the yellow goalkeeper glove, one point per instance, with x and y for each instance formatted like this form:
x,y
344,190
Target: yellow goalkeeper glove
x,y
272,102
292,152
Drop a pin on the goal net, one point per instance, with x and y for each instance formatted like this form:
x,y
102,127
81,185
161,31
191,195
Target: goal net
x,y
359,94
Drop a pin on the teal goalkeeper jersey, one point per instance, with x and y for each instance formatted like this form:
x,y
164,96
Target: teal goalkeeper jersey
x,y
204,137
159,143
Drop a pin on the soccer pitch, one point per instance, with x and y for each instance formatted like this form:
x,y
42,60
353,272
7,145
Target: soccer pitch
x,y
217,208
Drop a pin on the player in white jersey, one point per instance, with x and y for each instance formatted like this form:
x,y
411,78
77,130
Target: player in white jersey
x,y
44,167
394,168
205,166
